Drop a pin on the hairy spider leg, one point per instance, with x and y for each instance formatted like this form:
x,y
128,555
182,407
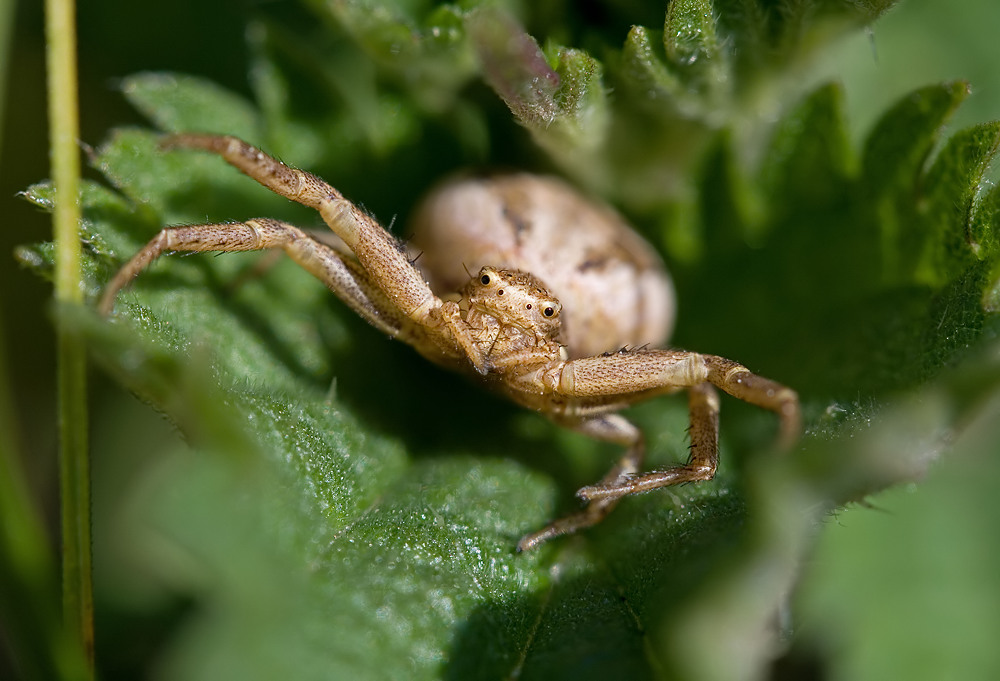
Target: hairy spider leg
x,y
341,274
382,256
698,373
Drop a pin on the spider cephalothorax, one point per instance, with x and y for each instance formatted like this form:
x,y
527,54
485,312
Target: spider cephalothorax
x,y
513,317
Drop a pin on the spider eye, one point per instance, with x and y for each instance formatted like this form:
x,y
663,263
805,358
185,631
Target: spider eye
x,y
528,306
548,312
485,279
500,292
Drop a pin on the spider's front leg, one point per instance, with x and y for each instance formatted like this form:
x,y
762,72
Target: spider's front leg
x,y
339,272
703,404
634,375
382,256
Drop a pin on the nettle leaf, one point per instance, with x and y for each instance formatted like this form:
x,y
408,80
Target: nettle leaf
x,y
426,51
345,510
176,102
897,259
367,529
557,94
712,63
693,48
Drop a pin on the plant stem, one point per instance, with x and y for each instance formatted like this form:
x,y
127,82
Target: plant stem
x,y
7,14
78,606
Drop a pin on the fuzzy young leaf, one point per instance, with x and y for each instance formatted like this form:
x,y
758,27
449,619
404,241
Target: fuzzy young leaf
x,y
693,47
515,67
645,72
430,54
563,106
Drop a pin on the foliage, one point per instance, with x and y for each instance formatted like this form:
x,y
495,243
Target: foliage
x,y
346,511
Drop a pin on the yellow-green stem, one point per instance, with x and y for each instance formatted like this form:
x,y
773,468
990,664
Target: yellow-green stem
x,y
60,26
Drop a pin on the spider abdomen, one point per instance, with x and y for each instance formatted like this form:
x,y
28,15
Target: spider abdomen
x,y
612,284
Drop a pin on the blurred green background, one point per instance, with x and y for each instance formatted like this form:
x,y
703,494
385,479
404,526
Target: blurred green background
x,y
872,597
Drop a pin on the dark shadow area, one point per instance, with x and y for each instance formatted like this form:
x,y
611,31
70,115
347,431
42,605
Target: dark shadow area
x,y
139,636
799,665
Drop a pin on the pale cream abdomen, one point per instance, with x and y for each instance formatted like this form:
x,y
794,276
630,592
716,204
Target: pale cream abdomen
x,y
613,286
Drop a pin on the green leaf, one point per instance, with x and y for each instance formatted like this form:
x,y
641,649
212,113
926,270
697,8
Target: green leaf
x,y
429,55
557,95
909,316
331,515
346,525
984,239
344,510
951,188
856,620
693,47
515,67
645,71
902,139
729,209
809,159
176,102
